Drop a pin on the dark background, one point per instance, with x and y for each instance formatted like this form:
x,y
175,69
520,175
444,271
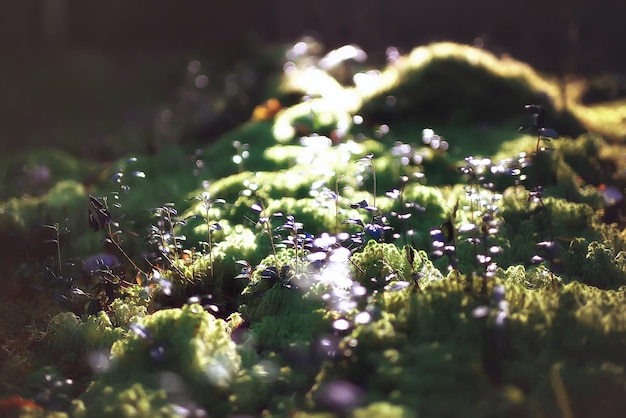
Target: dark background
x,y
93,76
559,36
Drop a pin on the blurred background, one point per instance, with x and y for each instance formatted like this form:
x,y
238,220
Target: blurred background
x,y
75,72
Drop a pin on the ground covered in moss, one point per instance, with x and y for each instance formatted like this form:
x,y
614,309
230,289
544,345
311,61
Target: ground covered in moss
x,y
370,243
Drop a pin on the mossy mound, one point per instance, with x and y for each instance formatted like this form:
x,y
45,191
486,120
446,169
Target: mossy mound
x,y
427,346
187,347
443,84
380,265
22,221
346,267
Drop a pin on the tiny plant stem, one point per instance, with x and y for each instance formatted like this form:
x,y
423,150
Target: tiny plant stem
x,y
400,212
356,266
336,199
485,238
295,240
121,250
537,148
209,239
173,234
550,230
115,240
374,181
471,196
268,228
58,244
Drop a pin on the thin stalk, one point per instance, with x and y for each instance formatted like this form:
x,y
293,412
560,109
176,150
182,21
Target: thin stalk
x,y
337,206
173,235
111,239
57,242
268,228
209,239
550,230
374,181
295,246
401,201
537,148
474,243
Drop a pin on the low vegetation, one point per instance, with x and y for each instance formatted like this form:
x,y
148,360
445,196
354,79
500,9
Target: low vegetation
x,y
386,244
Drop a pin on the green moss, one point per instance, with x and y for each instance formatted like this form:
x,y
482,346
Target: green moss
x,y
584,156
427,346
195,344
595,264
526,224
278,331
532,278
123,400
379,264
457,90
123,312
188,346
69,341
258,135
382,409
21,221
425,351
281,313
229,245
69,334
33,173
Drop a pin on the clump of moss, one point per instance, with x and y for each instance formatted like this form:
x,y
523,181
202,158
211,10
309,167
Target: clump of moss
x,y
214,271
21,221
455,90
426,345
276,287
383,409
194,342
123,312
123,400
526,224
72,338
378,264
595,264
188,347
584,155
258,135
260,385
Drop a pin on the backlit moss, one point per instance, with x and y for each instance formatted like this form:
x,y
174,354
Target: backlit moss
x,y
431,345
